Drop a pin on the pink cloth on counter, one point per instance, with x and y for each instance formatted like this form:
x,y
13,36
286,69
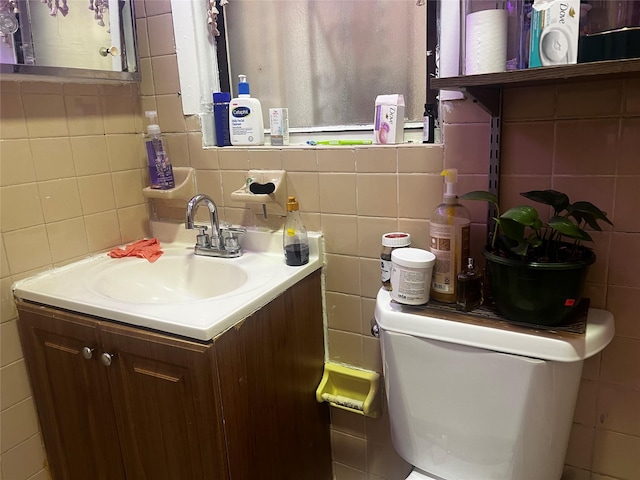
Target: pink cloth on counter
x,y
145,248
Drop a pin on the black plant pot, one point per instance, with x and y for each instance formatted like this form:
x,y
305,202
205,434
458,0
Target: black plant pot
x,y
536,293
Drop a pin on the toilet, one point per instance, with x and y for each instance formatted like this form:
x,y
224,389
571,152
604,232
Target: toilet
x,y
475,401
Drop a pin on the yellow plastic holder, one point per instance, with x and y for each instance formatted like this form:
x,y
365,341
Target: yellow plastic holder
x,y
350,389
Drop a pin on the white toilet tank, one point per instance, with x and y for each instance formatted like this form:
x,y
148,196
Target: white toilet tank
x,y
472,402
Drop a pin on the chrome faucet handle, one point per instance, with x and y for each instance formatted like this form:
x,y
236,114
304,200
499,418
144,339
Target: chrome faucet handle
x,y
230,237
202,239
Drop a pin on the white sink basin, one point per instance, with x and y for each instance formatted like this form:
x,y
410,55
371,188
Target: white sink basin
x,y
181,293
171,279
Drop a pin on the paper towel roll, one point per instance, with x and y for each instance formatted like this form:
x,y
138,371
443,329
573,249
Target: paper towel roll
x,y
449,35
486,42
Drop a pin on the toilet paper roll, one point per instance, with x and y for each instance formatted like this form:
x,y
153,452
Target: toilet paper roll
x,y
486,42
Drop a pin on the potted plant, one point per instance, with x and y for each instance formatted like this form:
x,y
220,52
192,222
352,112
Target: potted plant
x,y
536,270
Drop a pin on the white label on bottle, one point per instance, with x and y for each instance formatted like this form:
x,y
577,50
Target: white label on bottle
x,y
426,129
385,270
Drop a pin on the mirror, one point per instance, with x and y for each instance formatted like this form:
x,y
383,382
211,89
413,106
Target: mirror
x,y
78,39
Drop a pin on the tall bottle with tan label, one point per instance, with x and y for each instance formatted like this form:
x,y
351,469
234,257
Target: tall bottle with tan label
x,y
450,240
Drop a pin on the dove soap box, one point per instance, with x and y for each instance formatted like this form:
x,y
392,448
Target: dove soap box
x,y
554,32
388,122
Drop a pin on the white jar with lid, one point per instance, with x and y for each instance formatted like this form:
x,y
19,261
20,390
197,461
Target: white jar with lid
x,y
391,241
411,270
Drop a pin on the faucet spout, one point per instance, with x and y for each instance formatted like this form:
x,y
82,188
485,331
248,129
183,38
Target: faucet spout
x,y
192,207
223,242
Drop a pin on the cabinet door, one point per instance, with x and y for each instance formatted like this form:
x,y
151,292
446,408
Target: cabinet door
x,y
269,367
71,394
167,405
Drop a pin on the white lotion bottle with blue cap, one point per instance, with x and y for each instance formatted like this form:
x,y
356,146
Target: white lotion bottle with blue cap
x,y
246,124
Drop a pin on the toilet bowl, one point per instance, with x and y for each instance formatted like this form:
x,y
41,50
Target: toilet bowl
x,y
477,401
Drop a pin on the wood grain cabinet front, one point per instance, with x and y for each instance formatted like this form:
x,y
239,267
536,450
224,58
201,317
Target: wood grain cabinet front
x,y
120,402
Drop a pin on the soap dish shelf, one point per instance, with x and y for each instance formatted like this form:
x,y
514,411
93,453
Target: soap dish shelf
x,y
350,389
185,188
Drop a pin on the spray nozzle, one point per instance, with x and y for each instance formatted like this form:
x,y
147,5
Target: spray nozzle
x,y
243,85
153,127
450,179
152,115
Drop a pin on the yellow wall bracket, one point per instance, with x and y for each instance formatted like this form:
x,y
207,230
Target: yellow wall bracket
x,y
351,389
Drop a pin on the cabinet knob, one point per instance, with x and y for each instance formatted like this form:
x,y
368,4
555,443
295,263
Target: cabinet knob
x,y
106,359
87,353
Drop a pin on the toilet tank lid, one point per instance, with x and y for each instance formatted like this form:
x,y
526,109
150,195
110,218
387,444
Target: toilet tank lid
x,y
540,344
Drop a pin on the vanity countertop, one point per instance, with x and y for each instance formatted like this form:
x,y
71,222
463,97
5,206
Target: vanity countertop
x,y
181,293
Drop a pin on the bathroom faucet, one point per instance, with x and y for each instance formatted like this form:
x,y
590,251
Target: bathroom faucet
x,y
223,242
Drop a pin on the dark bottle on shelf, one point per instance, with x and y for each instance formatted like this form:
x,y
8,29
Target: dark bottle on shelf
x,y
469,293
295,240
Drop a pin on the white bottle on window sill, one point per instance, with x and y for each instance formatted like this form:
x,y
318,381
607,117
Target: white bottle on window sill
x,y
246,124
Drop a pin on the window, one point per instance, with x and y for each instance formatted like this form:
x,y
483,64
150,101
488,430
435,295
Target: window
x,y
325,60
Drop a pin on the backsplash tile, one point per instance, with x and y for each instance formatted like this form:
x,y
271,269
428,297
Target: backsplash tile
x,y
12,114
624,260
418,194
27,249
17,165
42,113
338,193
618,409
30,212
90,154
84,115
341,233
60,199
527,148
586,147
629,147
160,31
617,454
604,99
377,195
467,147
376,160
618,362
529,103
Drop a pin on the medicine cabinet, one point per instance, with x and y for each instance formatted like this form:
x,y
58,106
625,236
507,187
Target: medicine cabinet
x,y
81,40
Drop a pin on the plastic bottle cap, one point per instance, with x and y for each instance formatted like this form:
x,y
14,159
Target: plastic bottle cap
x,y
396,239
413,258
292,204
221,97
243,85
153,128
450,179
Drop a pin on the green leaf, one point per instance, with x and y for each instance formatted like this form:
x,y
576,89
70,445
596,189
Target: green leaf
x,y
534,240
480,195
569,229
521,249
524,214
589,212
558,200
580,217
537,225
512,229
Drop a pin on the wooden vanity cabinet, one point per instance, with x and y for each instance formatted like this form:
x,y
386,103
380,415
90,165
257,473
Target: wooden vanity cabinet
x,y
120,402
151,413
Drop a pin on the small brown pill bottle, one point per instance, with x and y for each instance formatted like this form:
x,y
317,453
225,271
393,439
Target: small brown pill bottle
x,y
391,241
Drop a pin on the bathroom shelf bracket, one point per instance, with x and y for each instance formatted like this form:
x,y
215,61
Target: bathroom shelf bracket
x,y
489,99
